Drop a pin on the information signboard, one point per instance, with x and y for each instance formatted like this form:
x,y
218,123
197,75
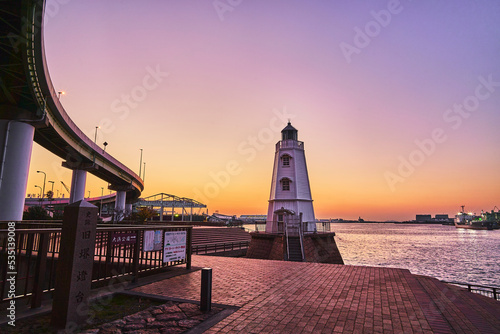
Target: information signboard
x,y
174,246
152,240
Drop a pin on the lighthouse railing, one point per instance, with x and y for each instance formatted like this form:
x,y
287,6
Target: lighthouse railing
x,y
289,143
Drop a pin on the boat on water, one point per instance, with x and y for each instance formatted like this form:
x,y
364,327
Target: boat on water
x,y
485,221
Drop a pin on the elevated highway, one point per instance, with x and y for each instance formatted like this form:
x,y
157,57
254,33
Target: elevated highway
x,y
30,110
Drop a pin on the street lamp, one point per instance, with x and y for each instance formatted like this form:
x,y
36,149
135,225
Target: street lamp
x,y
140,164
95,138
89,194
105,144
102,194
40,190
44,178
143,173
60,93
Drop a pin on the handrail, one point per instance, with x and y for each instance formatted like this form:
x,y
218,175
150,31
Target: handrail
x,y
301,236
287,241
488,291
196,249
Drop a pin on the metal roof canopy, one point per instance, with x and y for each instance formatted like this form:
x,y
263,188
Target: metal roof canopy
x,y
169,201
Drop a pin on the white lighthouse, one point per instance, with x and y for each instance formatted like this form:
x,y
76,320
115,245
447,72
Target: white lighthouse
x,y
290,202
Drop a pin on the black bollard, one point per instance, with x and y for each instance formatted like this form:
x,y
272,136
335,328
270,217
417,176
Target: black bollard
x,y
206,290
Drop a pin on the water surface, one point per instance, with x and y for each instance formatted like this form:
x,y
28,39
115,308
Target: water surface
x,y
441,251
444,252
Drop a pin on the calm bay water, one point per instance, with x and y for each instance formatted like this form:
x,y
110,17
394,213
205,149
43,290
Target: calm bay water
x,y
443,252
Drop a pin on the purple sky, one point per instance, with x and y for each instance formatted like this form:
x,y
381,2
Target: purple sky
x,y
363,82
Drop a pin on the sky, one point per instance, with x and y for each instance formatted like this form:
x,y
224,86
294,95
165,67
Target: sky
x,y
397,102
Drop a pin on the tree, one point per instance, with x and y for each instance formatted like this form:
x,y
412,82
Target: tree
x,y
144,213
36,213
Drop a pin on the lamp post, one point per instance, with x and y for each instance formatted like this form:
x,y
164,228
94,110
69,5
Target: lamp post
x,y
89,194
140,164
102,194
105,144
44,178
144,173
40,191
95,137
60,93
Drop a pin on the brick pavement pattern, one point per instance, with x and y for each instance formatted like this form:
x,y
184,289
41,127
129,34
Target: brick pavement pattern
x,y
292,297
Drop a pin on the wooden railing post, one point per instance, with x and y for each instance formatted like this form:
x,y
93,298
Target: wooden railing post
x,y
41,263
108,265
136,255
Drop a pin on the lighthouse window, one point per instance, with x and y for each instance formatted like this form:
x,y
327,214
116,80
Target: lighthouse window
x,y
285,184
286,161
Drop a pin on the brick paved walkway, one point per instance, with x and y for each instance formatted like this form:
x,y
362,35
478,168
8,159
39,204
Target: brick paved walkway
x,y
291,297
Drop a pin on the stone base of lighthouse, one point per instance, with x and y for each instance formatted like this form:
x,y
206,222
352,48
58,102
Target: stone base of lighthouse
x,y
318,247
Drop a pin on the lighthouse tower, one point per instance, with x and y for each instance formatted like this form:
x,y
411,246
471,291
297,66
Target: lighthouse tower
x,y
290,202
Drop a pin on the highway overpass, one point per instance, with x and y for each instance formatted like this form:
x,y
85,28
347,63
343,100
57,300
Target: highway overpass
x,y
30,111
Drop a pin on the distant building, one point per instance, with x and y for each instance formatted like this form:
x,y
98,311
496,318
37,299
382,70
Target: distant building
x,y
441,217
423,218
254,218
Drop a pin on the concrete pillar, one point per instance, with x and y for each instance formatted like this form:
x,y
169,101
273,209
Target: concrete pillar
x,y
120,204
77,191
16,143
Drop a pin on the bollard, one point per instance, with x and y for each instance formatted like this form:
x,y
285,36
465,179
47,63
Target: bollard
x,y
206,290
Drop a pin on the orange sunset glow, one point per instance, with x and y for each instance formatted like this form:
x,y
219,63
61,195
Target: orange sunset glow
x,y
396,121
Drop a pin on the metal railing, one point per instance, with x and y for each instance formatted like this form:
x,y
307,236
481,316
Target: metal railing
x,y
219,247
287,242
488,291
35,253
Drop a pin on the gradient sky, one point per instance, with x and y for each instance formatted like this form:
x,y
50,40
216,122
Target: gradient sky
x,y
362,81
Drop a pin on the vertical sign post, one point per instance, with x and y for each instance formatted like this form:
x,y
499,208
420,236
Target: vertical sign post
x,y
74,267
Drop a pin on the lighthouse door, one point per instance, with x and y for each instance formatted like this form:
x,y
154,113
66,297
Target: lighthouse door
x,y
281,222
